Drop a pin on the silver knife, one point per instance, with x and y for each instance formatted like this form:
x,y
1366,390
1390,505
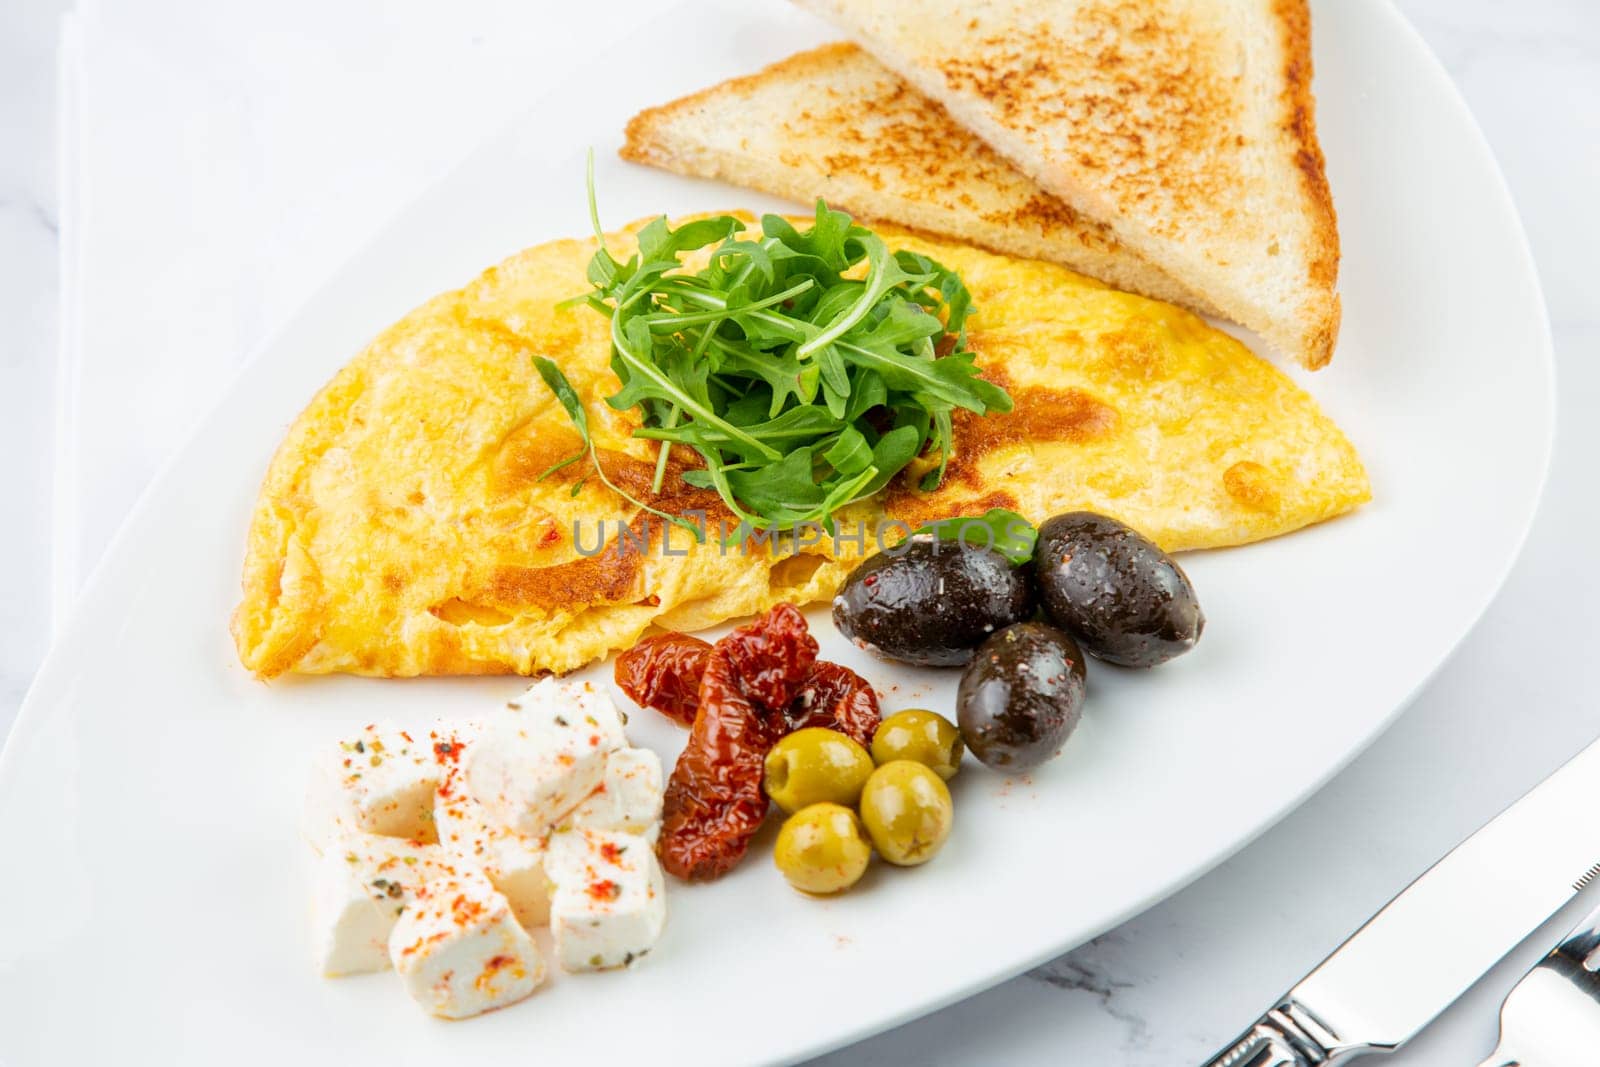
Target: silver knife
x,y
1421,952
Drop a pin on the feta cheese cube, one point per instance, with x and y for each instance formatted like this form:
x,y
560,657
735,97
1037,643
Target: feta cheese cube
x,y
629,797
609,904
359,888
380,781
512,861
460,950
543,754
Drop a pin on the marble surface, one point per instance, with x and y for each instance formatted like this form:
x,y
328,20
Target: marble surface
x,y
1174,983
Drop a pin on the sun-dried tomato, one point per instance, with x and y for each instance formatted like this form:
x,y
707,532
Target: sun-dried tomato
x,y
714,803
663,672
837,697
716,791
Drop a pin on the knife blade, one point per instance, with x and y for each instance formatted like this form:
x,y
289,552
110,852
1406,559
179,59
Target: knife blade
x,y
1421,952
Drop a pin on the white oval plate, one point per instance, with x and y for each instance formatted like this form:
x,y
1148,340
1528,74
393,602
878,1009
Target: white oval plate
x,y
153,896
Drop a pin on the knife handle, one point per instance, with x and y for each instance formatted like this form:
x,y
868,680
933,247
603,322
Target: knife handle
x,y
1287,1036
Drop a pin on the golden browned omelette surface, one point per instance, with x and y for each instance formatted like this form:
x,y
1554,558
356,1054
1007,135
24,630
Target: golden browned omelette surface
x,y
403,527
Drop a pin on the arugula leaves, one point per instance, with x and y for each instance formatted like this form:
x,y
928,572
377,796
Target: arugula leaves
x,y
568,398
806,368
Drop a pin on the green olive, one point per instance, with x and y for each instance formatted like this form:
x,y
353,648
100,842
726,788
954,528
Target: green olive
x,y
922,737
907,809
821,849
816,766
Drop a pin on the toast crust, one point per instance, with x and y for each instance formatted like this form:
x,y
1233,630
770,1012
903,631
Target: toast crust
x,y
1300,126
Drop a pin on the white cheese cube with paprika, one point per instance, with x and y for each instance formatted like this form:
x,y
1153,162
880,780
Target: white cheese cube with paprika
x,y
512,861
609,903
461,952
379,781
361,885
629,796
542,754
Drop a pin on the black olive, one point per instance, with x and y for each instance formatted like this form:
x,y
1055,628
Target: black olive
x,y
931,602
1021,696
1113,589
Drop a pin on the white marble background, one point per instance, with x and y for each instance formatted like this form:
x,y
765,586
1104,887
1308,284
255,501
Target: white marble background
x,y
1171,985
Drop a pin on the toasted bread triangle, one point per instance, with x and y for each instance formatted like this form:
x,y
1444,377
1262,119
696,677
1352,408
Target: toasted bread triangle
x,y
833,122
1186,126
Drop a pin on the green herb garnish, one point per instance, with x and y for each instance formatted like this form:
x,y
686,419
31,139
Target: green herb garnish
x,y
1006,532
806,368
568,397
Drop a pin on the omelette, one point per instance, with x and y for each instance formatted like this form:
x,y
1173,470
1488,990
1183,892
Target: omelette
x,y
418,519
